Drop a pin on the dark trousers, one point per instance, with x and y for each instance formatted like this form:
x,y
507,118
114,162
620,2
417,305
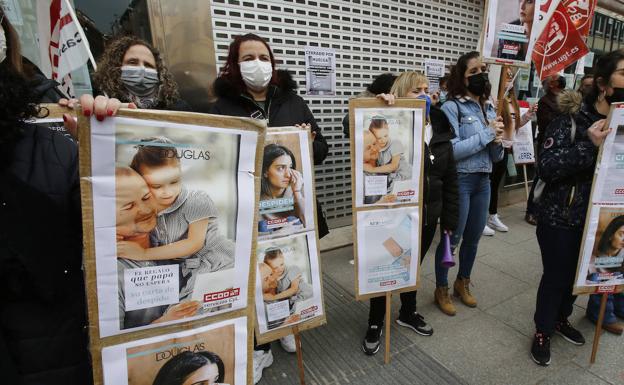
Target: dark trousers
x,y
496,177
377,310
560,251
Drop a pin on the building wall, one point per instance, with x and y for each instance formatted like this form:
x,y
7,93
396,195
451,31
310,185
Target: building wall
x,y
370,38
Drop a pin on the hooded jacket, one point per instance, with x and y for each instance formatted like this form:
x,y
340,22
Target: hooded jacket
x,y
283,107
442,199
566,165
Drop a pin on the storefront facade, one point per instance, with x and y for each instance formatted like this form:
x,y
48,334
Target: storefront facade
x,y
370,38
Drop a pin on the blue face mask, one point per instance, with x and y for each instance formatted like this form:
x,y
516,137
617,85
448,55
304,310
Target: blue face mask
x,y
443,96
428,100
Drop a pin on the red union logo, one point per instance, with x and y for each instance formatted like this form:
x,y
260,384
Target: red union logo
x,y
605,289
309,310
406,193
219,295
619,191
387,283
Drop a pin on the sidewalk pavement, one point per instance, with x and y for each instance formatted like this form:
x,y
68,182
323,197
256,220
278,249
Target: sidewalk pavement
x,y
486,345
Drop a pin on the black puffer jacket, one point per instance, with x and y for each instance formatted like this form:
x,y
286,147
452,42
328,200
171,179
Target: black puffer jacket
x,y
566,166
283,108
442,200
43,326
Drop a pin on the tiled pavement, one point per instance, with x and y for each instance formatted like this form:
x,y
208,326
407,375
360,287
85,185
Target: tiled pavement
x,y
486,345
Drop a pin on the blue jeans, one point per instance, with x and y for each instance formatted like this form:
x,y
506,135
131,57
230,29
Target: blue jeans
x,y
615,305
474,200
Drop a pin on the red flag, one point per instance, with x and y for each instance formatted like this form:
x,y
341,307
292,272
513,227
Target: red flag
x,y
581,13
559,45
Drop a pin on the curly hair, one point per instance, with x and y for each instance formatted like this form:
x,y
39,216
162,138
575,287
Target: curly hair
x,y
107,78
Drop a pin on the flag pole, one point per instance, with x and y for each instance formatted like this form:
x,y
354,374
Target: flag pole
x,y
81,32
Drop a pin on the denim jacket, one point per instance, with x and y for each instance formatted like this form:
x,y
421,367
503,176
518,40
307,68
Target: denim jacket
x,y
473,147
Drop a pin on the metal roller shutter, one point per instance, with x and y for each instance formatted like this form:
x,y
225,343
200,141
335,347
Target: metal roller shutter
x,y
370,38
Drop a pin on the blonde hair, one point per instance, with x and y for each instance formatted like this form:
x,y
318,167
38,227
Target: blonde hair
x,y
406,81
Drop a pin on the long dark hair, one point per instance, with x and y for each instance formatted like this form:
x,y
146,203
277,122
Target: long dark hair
x,y
605,240
455,84
231,69
108,76
604,68
17,99
271,152
180,367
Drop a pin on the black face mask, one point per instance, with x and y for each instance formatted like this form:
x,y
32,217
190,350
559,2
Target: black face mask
x,y
616,97
477,84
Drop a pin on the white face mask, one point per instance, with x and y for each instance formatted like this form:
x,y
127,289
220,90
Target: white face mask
x,y
256,74
3,45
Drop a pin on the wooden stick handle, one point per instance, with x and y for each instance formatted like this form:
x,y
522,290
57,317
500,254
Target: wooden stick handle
x,y
603,307
388,308
295,331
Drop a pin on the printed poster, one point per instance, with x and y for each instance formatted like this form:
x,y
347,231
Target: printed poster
x,y
602,259
523,150
609,185
288,284
173,217
214,354
387,249
388,152
509,33
524,75
286,196
320,71
434,68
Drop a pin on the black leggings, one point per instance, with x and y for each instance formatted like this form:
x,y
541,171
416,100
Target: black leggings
x,y
496,177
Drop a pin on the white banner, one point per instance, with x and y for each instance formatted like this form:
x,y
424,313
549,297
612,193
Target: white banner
x,y
523,150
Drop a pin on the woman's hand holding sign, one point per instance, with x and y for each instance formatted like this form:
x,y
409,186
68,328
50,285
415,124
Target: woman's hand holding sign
x,y
497,129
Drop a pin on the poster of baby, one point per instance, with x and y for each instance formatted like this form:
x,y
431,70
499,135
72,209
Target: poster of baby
x,y
388,152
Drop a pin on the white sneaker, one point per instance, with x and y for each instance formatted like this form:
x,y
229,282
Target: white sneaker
x,y
495,223
288,343
487,231
261,360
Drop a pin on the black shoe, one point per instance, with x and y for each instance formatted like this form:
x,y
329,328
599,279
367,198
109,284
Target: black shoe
x,y
371,343
540,351
570,334
417,323
530,219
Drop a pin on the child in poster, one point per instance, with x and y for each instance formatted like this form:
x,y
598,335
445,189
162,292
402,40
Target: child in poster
x,y
387,156
288,289
187,219
392,157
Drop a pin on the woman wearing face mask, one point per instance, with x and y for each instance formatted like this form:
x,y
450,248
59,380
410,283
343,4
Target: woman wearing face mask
x,y
566,164
512,121
476,146
43,325
249,85
441,202
133,71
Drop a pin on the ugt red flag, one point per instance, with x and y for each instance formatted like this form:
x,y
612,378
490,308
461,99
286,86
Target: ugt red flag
x,y
559,45
581,14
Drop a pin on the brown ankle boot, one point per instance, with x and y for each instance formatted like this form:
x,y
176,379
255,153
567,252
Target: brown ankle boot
x,y
443,300
461,289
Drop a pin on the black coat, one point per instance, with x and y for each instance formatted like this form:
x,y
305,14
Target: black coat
x,y
283,108
43,325
442,197
566,166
